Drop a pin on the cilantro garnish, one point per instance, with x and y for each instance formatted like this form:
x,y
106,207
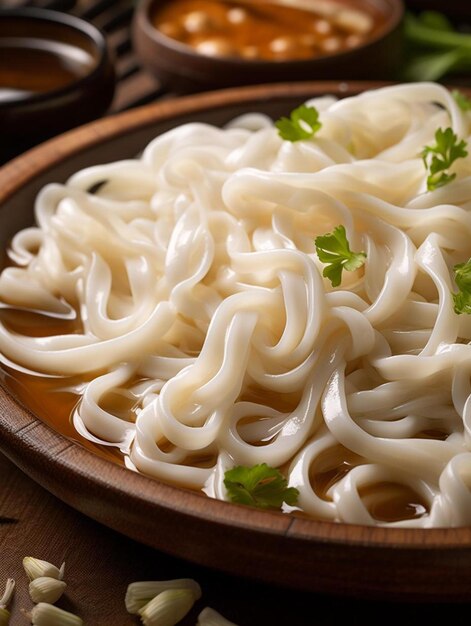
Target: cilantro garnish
x,y
334,249
462,299
260,486
303,123
438,158
461,100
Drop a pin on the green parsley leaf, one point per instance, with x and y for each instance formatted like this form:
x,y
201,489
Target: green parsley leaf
x,y
303,123
259,486
334,249
438,158
436,20
461,100
462,299
463,275
462,302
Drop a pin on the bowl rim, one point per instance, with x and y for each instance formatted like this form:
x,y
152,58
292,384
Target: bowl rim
x,y
142,21
70,21
18,424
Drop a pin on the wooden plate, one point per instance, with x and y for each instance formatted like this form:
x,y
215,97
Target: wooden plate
x,y
318,556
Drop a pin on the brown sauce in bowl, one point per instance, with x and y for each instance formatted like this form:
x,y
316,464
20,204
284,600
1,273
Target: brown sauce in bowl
x,y
262,30
34,66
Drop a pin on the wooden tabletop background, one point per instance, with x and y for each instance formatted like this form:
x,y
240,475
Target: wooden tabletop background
x,y
101,563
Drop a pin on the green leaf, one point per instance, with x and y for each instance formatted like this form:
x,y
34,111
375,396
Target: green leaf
x,y
458,151
462,299
303,123
433,65
422,34
433,48
461,100
462,303
334,273
435,20
440,157
434,182
259,486
334,249
463,275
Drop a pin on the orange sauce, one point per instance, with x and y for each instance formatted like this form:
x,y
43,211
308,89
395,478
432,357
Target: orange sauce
x,y
264,30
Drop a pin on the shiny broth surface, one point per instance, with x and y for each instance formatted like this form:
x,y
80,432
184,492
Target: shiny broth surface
x,y
34,66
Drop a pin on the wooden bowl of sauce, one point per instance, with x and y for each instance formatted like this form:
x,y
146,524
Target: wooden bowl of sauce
x,y
55,74
199,44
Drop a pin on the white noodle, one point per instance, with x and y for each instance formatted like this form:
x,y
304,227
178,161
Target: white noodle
x,y
201,295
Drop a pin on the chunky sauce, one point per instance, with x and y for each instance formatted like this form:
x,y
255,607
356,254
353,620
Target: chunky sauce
x,y
262,30
34,66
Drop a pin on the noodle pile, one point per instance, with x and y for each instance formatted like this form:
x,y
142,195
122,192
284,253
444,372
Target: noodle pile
x,y
194,273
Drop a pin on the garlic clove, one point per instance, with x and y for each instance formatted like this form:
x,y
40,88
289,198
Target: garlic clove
x,y
168,608
8,593
5,601
210,617
62,571
35,568
49,615
139,594
45,589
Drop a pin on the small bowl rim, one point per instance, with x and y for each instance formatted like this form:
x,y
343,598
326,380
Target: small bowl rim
x,y
70,21
142,19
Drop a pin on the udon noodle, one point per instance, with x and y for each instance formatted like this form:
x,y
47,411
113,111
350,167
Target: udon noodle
x,y
193,273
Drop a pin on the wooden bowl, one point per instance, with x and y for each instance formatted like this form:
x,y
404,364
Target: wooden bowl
x,y
45,112
318,556
180,67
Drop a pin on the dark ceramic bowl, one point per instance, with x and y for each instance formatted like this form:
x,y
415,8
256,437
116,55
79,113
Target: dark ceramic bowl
x,y
180,67
28,119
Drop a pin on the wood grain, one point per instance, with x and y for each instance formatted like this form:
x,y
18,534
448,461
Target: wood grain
x,y
317,556
100,563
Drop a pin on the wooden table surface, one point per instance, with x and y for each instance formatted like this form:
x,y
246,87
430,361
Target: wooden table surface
x,y
100,563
